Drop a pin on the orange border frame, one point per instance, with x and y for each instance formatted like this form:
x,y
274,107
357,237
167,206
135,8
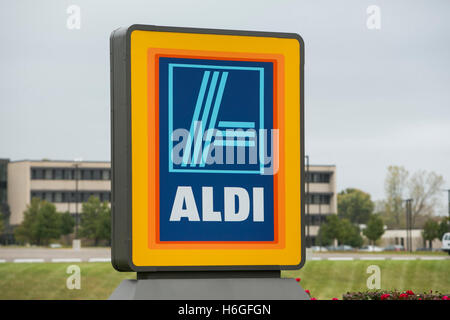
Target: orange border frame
x,y
153,149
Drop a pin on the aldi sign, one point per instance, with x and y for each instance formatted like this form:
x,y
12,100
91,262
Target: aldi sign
x,y
207,149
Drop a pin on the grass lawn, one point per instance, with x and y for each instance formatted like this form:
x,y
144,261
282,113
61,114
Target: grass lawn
x,y
406,253
325,279
328,279
48,281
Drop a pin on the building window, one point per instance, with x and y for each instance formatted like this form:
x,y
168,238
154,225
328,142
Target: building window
x,y
96,195
35,194
57,197
37,174
96,174
317,198
318,177
48,174
105,197
58,174
68,174
48,196
86,174
106,174
317,219
70,196
77,174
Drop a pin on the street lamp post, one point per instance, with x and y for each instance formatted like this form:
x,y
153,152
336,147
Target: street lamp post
x,y
320,224
77,199
76,244
408,224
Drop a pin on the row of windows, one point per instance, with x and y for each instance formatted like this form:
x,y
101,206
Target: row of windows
x,y
71,196
70,174
318,177
316,219
318,198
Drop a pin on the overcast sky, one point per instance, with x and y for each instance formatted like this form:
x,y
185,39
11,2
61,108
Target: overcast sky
x,y
373,97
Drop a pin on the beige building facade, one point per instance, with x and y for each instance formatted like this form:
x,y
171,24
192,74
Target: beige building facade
x,y
399,236
321,198
66,184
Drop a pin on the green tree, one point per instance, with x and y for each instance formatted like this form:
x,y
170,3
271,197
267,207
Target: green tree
x,y
329,231
48,224
355,205
41,223
349,234
26,231
67,223
374,229
95,220
341,230
430,231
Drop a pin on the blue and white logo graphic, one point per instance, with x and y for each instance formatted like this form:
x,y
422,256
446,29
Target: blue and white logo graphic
x,y
225,125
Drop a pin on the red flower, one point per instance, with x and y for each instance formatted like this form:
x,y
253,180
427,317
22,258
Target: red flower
x,y
385,296
307,291
313,299
419,299
297,279
409,292
335,299
445,298
403,295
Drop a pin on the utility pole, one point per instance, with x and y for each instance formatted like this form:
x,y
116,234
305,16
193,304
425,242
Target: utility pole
x,y
77,199
77,196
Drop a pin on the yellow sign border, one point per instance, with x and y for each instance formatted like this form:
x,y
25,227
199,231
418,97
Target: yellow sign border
x,y
142,256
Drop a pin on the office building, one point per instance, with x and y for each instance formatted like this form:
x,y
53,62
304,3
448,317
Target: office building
x,y
321,199
67,184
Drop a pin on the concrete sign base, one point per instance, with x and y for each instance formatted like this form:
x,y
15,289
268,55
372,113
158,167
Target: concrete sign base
x,y
210,289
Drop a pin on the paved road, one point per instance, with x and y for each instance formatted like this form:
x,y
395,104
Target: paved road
x,y
14,254
374,256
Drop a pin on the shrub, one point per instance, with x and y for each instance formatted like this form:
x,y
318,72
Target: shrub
x,y
394,295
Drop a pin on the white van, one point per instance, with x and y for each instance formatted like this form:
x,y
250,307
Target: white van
x,y
446,242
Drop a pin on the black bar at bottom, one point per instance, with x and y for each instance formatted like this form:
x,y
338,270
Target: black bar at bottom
x,y
208,274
